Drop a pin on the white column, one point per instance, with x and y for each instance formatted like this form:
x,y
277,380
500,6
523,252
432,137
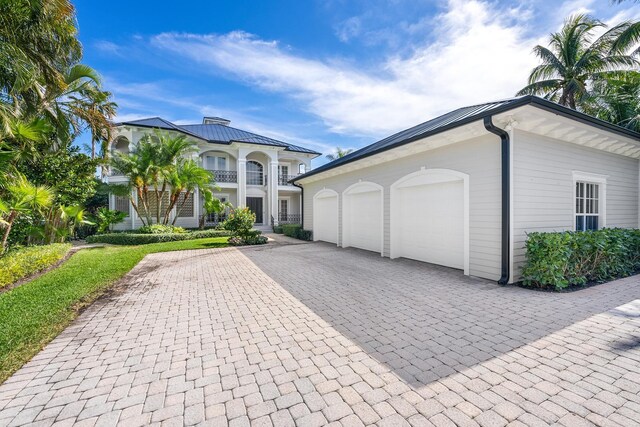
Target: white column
x,y
242,182
272,191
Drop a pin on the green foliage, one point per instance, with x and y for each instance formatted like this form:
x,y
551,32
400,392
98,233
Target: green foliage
x,y
278,229
20,263
251,239
105,218
68,172
296,231
31,315
158,166
565,259
240,221
143,239
160,229
576,57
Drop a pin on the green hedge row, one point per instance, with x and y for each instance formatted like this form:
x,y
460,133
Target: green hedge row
x,y
296,231
24,262
143,239
565,259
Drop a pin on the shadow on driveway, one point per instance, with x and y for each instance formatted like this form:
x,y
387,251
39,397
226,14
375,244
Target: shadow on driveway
x,y
426,322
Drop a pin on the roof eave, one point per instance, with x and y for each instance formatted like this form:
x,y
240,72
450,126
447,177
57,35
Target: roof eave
x,y
526,100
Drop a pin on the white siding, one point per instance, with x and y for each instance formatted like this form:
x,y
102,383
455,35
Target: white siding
x,y
479,158
543,187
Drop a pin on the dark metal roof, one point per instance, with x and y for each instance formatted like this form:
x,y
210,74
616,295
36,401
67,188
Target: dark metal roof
x,y
218,134
460,117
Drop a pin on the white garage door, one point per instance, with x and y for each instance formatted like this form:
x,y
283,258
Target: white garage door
x,y
428,223
325,217
362,217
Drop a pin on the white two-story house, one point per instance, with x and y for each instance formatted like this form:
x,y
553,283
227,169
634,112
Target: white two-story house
x,y
250,170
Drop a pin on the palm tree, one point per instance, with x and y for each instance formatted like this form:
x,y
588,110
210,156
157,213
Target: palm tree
x,y
573,60
22,196
183,181
339,153
39,44
617,100
149,168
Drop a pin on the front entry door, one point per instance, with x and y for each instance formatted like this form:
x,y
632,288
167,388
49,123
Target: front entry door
x,y
255,205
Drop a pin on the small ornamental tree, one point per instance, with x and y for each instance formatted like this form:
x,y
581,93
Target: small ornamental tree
x,y
240,223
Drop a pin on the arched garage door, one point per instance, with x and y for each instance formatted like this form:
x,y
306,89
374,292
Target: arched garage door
x,y
325,216
430,218
362,216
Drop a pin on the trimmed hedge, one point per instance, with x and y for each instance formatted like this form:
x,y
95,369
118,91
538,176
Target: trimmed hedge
x,y
25,262
160,229
567,259
296,231
144,239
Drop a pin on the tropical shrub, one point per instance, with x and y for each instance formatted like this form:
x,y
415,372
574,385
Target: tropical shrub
x,y
23,262
296,231
160,229
565,259
143,239
105,218
240,223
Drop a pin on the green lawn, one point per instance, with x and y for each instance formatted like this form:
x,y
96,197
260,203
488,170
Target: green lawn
x,y
34,313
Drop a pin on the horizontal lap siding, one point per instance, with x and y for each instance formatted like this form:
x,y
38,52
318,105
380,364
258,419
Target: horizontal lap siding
x,y
479,158
544,193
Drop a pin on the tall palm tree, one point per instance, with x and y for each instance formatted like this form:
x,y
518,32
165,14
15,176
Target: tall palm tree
x,y
150,167
573,59
183,181
339,153
22,196
39,44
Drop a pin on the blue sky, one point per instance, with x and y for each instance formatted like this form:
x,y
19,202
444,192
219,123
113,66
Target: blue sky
x,y
318,73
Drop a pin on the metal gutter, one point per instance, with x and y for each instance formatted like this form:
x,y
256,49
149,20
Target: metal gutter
x,y
506,198
301,202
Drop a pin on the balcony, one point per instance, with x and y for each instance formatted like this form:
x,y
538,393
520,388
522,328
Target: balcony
x,y
225,176
284,179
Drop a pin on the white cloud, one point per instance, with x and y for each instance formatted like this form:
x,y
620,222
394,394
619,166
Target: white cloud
x,y
474,57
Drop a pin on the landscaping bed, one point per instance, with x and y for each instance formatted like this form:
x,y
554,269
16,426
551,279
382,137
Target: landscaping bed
x,y
570,260
294,230
24,262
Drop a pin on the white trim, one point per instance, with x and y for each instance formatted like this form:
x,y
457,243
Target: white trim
x,y
363,187
321,195
433,176
591,178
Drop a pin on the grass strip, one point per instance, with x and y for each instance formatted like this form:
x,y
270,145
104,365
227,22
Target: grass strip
x,y
36,312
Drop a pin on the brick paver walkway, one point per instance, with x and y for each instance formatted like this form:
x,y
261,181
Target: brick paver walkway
x,y
312,335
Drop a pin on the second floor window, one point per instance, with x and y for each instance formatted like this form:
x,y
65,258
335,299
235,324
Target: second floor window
x,y
216,163
255,175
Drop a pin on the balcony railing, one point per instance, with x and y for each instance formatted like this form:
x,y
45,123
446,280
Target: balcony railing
x,y
284,179
225,176
284,218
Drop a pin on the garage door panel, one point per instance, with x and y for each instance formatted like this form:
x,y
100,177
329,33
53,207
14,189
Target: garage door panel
x,y
430,223
363,220
325,214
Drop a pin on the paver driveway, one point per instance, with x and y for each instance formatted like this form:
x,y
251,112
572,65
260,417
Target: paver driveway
x,y
310,334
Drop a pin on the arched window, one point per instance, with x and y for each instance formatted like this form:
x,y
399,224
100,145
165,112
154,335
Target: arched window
x,y
255,174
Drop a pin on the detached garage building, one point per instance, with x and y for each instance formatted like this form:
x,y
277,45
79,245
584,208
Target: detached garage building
x,y
462,190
